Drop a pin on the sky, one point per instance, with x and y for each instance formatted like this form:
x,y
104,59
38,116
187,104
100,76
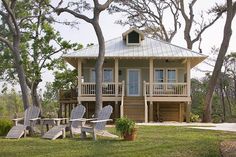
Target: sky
x,y
85,34
211,38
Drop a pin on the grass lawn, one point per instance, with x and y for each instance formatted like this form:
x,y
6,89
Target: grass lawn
x,y
163,141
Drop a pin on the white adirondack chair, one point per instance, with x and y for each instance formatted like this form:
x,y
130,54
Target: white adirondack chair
x,y
74,125
98,124
31,117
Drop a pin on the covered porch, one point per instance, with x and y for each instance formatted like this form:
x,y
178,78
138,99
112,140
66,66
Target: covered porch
x,y
147,78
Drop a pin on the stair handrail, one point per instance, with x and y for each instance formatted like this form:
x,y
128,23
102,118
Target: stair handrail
x,y
145,102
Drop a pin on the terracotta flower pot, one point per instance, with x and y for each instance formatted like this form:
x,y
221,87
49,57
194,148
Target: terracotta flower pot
x,y
131,136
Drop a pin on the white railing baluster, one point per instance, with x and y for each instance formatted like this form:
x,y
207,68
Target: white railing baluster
x,y
108,89
167,89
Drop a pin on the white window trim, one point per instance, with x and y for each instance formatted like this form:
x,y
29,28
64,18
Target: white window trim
x,y
164,79
131,44
167,88
90,75
111,71
127,79
176,73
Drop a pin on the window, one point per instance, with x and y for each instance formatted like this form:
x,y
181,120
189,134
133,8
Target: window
x,y
92,75
133,38
171,77
159,77
107,75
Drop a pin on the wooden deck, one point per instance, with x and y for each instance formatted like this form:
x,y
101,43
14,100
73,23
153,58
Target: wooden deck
x,y
159,102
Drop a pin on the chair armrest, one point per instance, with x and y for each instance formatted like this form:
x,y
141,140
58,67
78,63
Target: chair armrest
x,y
80,120
84,119
34,119
60,118
16,120
99,121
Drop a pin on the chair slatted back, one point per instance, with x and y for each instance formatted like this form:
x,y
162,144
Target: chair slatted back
x,y
105,113
76,113
30,113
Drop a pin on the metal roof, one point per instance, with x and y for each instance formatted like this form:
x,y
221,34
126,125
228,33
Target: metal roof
x,y
148,48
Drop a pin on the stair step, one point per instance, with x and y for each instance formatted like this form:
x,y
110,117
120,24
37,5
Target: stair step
x,y
134,103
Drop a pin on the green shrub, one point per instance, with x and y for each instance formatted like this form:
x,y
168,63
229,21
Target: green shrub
x,y
5,126
194,117
124,125
216,118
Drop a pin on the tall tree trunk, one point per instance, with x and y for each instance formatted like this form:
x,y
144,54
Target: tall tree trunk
x,y
35,96
229,103
99,65
20,71
222,98
219,62
235,88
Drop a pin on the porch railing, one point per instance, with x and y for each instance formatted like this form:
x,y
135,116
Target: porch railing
x,y
166,89
108,89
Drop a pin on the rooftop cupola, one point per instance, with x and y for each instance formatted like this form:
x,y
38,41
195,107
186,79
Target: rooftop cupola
x,y
133,36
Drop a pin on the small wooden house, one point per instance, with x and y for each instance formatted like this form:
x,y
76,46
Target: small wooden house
x,y
143,78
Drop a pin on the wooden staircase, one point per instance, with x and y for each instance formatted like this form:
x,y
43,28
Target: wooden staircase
x,y
134,108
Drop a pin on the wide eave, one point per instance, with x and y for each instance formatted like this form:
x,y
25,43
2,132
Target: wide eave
x,y
149,48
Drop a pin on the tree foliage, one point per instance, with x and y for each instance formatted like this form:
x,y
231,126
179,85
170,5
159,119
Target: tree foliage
x,y
40,44
76,9
11,104
150,16
161,19
230,10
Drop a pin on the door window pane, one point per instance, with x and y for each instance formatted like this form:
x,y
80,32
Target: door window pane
x,y
171,77
159,75
107,75
93,76
159,78
133,82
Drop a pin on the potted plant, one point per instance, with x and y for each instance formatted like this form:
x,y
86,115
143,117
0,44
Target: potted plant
x,y
126,128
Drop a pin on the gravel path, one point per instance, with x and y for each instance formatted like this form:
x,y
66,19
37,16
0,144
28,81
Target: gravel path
x,y
207,126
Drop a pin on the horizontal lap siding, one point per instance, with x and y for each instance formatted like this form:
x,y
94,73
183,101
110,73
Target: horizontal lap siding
x,y
169,112
134,112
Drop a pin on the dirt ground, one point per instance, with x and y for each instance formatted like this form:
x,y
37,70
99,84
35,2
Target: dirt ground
x,y
228,148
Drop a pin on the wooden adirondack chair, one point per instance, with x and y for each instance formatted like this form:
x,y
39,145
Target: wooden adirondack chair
x,y
74,125
31,117
98,124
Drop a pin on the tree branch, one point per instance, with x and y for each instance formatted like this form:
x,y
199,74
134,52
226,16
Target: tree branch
x,y
9,10
7,42
105,5
207,26
75,14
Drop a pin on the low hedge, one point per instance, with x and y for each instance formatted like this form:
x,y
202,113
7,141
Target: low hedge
x,y
5,126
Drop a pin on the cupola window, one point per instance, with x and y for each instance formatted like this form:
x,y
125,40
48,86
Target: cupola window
x,y
133,38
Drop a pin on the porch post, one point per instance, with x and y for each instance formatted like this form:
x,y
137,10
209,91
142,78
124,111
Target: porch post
x,y
188,78
151,89
116,86
188,107
116,76
79,79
